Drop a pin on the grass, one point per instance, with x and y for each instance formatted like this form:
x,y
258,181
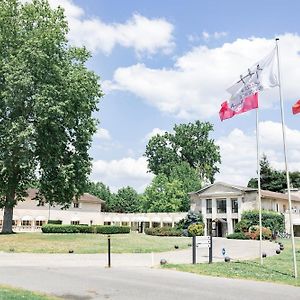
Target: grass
x,y
277,268
9,293
89,243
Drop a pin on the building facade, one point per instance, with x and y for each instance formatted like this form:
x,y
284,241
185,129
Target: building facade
x,y
31,214
222,204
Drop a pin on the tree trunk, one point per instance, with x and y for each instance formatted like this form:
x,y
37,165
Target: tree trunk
x,y
7,220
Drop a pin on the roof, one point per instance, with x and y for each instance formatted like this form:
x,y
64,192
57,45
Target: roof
x,y
269,194
86,197
264,193
238,187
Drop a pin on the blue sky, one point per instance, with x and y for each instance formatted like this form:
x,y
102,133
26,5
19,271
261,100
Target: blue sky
x,y
168,62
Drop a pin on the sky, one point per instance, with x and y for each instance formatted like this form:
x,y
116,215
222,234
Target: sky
x,y
168,62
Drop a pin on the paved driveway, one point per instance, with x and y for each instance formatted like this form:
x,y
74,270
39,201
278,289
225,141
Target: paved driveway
x,y
73,276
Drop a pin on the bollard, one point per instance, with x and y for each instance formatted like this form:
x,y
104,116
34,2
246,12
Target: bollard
x,y
108,252
194,250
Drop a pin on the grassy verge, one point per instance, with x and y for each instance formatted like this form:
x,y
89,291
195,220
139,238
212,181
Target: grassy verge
x,y
89,243
9,293
277,268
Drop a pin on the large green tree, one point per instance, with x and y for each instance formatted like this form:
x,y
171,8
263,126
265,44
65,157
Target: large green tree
x,y
47,96
164,195
188,143
100,190
126,200
272,179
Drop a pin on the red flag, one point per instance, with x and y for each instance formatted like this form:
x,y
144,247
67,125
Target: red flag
x,y
248,103
296,107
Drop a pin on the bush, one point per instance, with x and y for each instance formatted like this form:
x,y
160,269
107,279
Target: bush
x,y
242,226
191,218
238,236
163,231
110,229
196,229
270,219
58,222
254,233
102,229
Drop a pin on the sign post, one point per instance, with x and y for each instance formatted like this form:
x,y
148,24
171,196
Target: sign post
x,y
202,242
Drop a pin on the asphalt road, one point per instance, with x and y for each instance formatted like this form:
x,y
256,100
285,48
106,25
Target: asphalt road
x,y
127,283
75,276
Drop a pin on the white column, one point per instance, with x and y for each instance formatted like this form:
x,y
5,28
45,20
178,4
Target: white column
x,y
229,216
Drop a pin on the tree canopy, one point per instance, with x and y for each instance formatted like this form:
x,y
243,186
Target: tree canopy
x,y
47,97
188,143
273,180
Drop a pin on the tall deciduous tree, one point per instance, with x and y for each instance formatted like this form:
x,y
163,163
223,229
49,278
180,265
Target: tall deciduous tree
x,y
189,143
101,191
125,200
163,195
47,97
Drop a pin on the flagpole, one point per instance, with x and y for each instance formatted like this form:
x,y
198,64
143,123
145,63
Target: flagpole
x,y
259,188
286,164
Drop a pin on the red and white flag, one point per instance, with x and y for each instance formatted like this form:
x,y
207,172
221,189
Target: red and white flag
x,y
296,107
244,93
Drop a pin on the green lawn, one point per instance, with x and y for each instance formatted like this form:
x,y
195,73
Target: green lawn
x,y
277,268
89,243
9,293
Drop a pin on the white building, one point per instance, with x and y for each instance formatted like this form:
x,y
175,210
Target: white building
x,y
224,203
31,214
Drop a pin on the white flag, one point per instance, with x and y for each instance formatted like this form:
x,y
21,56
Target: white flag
x,y
259,77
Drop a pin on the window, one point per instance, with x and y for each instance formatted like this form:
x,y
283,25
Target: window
x,y
221,206
234,205
208,206
74,222
107,223
277,207
26,223
234,222
1,222
76,205
284,208
39,223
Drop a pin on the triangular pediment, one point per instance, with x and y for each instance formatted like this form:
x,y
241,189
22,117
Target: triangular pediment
x,y
221,188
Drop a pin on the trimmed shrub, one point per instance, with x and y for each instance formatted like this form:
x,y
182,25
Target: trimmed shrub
x,y
253,233
196,229
58,222
102,229
110,229
242,226
238,236
270,219
163,231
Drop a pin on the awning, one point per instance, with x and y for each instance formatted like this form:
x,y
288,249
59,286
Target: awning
x,y
296,221
155,219
116,219
125,219
16,217
40,218
75,218
219,220
27,218
167,220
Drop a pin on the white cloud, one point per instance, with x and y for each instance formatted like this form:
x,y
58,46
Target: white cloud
x,y
215,35
102,134
139,32
152,133
123,172
238,152
195,86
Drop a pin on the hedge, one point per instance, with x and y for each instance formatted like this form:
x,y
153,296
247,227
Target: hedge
x,y
163,231
58,222
238,236
102,229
